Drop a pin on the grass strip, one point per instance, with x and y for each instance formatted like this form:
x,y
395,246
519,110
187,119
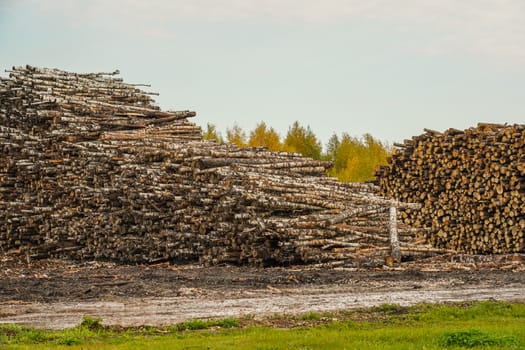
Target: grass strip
x,y
473,325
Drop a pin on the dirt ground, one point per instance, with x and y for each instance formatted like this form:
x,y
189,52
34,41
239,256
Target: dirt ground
x,y
55,294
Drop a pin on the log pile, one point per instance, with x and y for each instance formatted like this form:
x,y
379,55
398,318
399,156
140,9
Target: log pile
x,y
471,185
92,169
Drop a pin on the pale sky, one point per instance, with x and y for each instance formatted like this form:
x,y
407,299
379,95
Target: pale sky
x,y
385,67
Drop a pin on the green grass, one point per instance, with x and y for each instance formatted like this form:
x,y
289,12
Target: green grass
x,y
194,325
480,325
473,338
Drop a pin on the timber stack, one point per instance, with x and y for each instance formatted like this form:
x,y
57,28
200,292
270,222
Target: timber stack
x,y
470,183
92,169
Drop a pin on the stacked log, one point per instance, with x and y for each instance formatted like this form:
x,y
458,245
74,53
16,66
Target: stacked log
x,y
471,185
92,169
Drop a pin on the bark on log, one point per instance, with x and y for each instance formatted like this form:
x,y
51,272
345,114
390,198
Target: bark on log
x,y
470,184
92,169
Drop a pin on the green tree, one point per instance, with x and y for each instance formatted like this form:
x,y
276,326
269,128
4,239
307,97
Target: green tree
x,y
236,135
302,140
354,159
331,147
211,133
262,136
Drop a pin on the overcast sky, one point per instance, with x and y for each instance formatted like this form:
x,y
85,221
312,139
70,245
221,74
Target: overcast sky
x,y
389,68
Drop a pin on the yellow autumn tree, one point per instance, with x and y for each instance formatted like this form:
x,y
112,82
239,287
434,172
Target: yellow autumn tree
x,y
236,135
355,160
262,136
211,133
342,153
302,140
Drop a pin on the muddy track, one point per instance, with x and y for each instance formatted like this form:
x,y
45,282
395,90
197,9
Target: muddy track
x,y
54,294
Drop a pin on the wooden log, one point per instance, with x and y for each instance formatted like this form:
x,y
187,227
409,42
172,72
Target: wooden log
x,y
92,169
467,182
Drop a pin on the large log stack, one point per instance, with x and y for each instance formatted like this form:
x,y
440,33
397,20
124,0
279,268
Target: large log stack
x,y
92,169
471,185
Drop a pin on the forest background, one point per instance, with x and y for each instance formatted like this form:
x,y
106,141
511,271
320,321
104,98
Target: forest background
x,y
354,159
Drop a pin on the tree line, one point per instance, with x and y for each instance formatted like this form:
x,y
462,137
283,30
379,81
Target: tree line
x,y
354,158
